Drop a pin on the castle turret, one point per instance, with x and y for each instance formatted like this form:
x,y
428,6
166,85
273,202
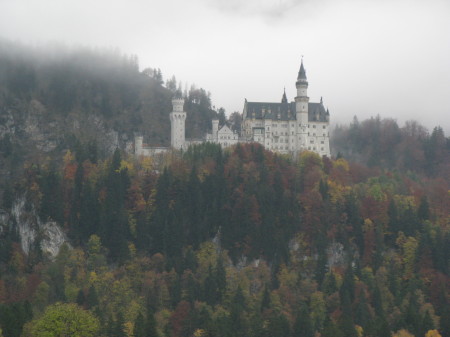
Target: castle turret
x,y
215,129
284,98
302,99
138,145
177,123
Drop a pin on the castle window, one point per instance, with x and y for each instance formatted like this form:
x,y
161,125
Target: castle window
x,y
324,127
314,134
324,135
312,141
321,148
322,142
314,126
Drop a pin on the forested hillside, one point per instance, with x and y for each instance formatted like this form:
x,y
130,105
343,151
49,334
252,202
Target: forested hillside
x,y
52,98
209,242
378,142
237,243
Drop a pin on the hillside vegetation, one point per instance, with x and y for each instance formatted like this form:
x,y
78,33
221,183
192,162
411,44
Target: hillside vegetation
x,y
209,242
244,242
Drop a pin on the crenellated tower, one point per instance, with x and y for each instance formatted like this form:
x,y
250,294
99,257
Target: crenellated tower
x,y
177,123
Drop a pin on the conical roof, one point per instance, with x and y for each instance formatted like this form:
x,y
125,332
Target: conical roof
x,y
284,98
302,72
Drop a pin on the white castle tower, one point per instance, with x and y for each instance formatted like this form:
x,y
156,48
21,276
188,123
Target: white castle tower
x,y
215,129
301,107
177,123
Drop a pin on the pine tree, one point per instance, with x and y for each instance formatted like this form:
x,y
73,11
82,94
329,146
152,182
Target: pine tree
x,y
92,298
150,326
80,298
139,326
303,326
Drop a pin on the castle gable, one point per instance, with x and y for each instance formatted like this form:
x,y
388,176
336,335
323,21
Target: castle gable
x,y
225,130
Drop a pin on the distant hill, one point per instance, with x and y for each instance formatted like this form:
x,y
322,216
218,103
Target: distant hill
x,y
55,97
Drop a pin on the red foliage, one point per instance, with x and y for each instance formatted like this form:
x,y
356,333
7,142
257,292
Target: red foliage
x,y
179,317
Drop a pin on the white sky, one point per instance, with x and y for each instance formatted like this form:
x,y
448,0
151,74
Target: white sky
x,y
365,57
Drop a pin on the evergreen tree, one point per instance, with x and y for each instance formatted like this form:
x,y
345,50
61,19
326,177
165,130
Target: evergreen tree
x,y
303,326
119,326
139,326
80,298
150,326
92,299
265,302
423,212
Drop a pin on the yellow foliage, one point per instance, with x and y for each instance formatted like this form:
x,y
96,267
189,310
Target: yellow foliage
x,y
128,327
433,333
359,330
404,202
199,333
337,192
126,165
308,158
132,250
93,277
68,158
341,163
368,225
147,163
402,333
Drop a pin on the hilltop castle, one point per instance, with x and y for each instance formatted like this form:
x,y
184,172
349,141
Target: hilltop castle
x,y
285,127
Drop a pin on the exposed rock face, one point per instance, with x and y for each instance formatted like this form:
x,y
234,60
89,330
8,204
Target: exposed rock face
x,y
336,255
32,230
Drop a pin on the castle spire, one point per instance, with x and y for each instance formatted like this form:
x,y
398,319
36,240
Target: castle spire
x,y
284,98
302,72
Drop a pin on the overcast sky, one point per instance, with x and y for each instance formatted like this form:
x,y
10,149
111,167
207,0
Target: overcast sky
x,y
365,57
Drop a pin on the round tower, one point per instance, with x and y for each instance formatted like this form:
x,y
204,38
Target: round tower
x,y
302,99
138,145
215,129
177,123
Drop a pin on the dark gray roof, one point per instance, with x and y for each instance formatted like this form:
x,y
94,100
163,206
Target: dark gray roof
x,y
301,73
284,111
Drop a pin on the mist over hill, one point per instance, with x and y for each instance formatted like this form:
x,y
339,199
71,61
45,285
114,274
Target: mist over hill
x,y
52,98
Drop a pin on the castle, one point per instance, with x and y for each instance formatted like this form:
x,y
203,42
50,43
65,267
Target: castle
x,y
285,127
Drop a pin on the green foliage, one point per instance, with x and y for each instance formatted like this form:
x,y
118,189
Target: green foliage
x,y
64,320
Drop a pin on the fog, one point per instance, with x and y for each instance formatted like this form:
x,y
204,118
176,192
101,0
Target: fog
x,y
364,57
